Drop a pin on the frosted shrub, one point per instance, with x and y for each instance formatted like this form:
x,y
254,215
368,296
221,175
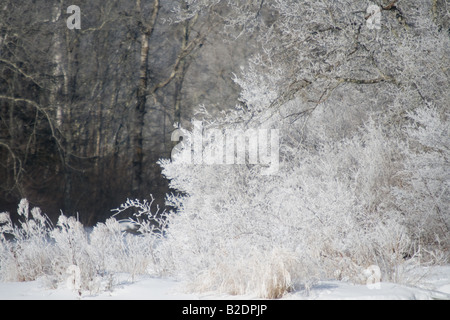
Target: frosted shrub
x,y
67,254
326,213
121,251
28,253
266,274
334,209
144,252
72,243
351,192
425,192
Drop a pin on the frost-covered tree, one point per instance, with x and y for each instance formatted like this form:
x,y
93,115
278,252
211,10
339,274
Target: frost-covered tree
x,y
348,193
425,191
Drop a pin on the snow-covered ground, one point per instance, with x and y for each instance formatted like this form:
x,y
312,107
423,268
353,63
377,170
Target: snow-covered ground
x,y
431,283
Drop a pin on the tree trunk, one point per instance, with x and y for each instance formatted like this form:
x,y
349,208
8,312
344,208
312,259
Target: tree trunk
x,y
179,79
58,72
140,109
139,115
58,101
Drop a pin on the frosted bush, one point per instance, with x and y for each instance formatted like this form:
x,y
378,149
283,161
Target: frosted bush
x,y
266,274
123,252
72,242
330,210
67,254
425,191
352,192
29,252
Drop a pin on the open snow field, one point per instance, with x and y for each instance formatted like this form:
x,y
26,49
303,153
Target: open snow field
x,y
431,283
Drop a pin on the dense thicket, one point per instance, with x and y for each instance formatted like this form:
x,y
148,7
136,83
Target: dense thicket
x,y
362,111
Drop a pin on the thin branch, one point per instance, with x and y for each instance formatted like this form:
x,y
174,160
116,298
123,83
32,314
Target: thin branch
x,y
367,81
40,109
19,70
390,5
200,39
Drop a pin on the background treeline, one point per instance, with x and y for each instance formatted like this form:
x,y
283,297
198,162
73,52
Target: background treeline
x,y
85,114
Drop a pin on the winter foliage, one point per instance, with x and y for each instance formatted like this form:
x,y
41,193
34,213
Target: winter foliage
x,y
86,261
362,191
332,211
364,157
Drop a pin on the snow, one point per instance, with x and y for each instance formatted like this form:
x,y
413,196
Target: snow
x,y
144,288
387,291
433,283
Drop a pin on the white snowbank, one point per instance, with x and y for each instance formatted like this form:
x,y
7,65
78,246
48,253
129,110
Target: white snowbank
x,y
432,283
387,291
